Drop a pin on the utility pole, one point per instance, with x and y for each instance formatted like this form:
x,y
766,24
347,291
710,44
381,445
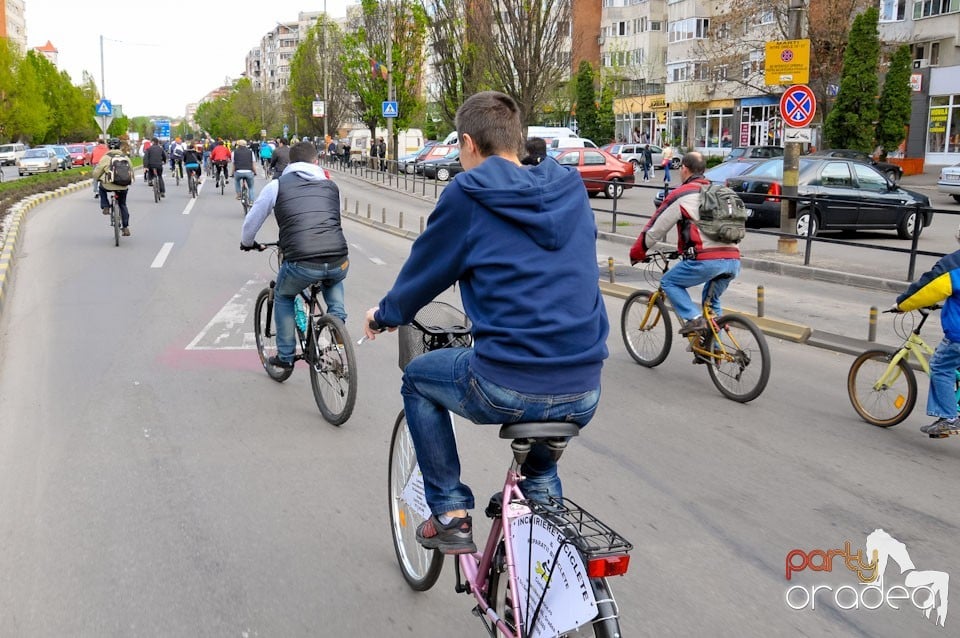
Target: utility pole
x,y
390,145
326,105
103,91
791,152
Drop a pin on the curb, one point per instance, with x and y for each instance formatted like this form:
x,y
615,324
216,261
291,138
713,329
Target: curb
x,y
18,214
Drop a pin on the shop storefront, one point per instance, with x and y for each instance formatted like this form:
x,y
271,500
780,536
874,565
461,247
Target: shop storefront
x,y
760,123
943,117
640,118
713,127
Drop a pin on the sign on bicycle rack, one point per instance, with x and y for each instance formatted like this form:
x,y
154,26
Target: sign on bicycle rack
x,y
569,600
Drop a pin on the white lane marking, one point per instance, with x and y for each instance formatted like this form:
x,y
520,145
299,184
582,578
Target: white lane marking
x,y
161,257
378,261
375,260
228,330
186,211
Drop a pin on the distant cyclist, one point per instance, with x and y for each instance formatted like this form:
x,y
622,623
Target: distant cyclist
x,y
244,167
192,158
266,154
104,172
177,149
220,156
281,158
154,159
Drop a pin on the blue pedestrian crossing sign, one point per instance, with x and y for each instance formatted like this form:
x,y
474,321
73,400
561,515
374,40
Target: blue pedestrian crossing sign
x,y
104,107
390,109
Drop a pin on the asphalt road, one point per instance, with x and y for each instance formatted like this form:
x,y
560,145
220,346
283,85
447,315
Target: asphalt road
x,y
154,481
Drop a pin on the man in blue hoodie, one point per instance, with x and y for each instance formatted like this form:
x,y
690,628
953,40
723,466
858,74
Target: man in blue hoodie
x,y
521,241
307,207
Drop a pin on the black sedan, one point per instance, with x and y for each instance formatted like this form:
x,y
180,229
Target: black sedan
x,y
442,168
892,171
718,174
835,194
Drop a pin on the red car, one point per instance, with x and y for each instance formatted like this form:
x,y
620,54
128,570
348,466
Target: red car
x,y
79,156
601,171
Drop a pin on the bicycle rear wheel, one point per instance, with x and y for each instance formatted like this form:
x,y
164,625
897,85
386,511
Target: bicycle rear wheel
x,y
333,369
893,402
115,220
605,625
156,190
420,566
265,333
245,198
646,329
176,175
192,183
741,368
223,181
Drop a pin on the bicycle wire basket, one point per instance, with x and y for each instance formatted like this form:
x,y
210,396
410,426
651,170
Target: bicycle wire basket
x,y
437,325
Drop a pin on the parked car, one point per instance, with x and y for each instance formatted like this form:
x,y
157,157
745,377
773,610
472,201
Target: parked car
x,y
601,171
10,153
754,152
38,160
892,171
63,155
633,153
949,181
849,195
78,155
718,174
571,142
443,168
415,165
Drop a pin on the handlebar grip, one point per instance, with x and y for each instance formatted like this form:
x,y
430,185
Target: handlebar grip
x,y
376,327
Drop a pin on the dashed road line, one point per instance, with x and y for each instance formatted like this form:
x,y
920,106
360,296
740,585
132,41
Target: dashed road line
x,y
161,257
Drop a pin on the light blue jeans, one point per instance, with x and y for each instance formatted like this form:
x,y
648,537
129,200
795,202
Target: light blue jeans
x,y
942,399
246,176
690,272
442,380
293,278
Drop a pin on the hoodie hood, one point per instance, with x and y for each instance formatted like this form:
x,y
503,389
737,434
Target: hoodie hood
x,y
545,200
307,170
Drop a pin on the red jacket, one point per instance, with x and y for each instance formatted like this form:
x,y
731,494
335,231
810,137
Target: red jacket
x,y
220,153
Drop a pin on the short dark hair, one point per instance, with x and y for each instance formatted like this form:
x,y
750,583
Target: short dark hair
x,y
303,152
492,120
694,162
535,146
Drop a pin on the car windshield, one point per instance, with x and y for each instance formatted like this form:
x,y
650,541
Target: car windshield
x,y
35,153
75,149
6,148
721,172
773,169
737,152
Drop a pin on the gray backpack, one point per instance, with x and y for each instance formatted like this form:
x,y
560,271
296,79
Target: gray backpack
x,y
723,216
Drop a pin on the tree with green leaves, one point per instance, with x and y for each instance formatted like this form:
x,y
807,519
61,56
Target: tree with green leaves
x,y
588,121
894,107
318,54
852,120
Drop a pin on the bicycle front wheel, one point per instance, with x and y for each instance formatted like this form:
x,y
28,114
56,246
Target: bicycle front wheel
x,y
420,566
740,367
115,222
265,333
156,190
333,369
893,401
646,329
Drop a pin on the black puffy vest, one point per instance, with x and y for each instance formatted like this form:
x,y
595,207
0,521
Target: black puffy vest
x,y
242,159
308,214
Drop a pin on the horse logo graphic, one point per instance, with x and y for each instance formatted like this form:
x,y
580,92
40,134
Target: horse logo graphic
x,y
882,547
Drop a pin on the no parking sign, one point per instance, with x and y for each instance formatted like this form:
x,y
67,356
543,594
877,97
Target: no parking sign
x,y
798,106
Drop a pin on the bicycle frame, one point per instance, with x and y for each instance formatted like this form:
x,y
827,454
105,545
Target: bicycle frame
x,y
720,352
915,347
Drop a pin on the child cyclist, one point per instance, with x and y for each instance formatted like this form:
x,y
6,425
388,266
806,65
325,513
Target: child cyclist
x,y
192,160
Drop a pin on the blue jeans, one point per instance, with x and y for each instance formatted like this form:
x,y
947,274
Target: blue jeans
x,y
690,272
442,380
942,399
293,278
246,176
666,172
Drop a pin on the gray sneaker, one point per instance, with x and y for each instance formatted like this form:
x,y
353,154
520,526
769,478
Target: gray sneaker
x,y
942,426
694,325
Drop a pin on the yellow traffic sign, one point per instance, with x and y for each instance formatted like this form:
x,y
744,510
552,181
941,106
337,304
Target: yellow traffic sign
x,y
787,62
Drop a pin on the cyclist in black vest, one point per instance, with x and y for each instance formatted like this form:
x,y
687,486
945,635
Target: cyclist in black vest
x,y
244,168
307,207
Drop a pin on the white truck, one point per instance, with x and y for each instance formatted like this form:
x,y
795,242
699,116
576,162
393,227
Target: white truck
x,y
408,141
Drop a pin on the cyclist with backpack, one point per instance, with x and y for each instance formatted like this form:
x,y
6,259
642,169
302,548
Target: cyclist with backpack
x,y
705,258
176,156
115,174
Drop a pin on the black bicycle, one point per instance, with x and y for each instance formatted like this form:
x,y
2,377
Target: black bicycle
x,y
192,183
324,344
116,219
155,182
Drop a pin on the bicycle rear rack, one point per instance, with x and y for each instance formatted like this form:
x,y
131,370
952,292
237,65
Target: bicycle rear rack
x,y
591,536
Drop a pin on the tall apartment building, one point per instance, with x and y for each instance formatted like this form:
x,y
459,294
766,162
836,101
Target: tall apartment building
x,y
268,66
12,23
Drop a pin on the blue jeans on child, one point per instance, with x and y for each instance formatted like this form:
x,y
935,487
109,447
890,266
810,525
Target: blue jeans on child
x,y
690,272
942,398
442,380
291,280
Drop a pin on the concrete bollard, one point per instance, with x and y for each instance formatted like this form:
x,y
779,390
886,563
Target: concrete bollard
x,y
383,215
400,221
611,271
356,208
421,224
368,210
872,325
346,206
760,301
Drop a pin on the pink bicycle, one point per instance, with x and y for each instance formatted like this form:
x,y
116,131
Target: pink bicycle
x,y
544,567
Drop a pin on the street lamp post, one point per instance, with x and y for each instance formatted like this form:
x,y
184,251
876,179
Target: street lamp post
x,y
326,105
390,145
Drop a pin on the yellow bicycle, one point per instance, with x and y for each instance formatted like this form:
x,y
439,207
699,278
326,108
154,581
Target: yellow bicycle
x,y
734,350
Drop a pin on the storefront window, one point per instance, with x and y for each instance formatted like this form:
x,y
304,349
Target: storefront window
x,y
760,126
676,130
938,125
713,128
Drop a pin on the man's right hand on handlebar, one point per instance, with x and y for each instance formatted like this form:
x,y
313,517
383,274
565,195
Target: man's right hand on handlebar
x,y
371,328
256,246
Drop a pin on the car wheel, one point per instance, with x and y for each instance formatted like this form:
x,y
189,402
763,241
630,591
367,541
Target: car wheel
x,y
675,163
909,224
893,175
956,198
614,190
592,193
806,223
443,174
636,166
408,169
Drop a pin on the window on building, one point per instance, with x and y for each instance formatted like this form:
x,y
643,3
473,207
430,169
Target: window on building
x,y
892,10
688,29
935,53
712,128
678,72
928,8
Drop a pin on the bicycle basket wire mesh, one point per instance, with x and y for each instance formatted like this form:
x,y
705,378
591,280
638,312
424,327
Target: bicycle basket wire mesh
x,y
437,325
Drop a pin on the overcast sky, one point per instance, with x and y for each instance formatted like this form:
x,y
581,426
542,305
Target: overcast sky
x,y
159,56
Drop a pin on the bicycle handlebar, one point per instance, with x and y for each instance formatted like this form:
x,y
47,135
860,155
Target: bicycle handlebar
x,y
259,247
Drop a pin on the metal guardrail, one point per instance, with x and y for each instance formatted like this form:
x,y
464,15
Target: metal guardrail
x,y
393,176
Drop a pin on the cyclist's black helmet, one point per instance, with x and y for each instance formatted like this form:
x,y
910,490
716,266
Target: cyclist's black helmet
x,y
113,144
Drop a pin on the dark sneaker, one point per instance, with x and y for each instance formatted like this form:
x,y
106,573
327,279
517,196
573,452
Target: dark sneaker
x,y
694,325
277,362
453,538
105,211
125,232
942,426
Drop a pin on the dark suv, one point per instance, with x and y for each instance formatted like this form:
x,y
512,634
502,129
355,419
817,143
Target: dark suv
x,y
892,171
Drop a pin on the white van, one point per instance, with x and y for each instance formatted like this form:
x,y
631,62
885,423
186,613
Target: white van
x,y
10,153
408,141
548,133
571,142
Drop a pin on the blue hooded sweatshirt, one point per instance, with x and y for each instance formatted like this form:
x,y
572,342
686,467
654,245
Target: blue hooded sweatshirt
x,y
522,243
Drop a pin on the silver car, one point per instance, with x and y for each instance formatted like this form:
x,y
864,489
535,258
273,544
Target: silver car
x,y
38,160
949,181
633,153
